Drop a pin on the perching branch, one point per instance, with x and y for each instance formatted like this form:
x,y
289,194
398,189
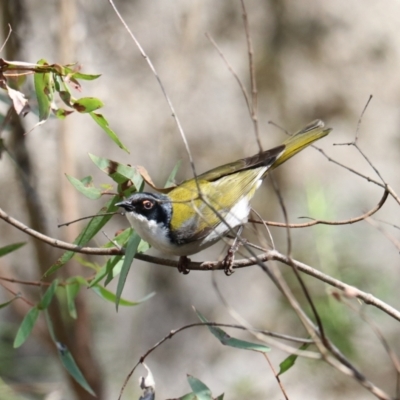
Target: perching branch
x,y
211,265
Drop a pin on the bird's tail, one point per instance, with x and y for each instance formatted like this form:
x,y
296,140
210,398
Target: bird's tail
x,y
297,142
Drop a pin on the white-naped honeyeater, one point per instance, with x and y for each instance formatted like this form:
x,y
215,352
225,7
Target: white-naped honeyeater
x,y
200,211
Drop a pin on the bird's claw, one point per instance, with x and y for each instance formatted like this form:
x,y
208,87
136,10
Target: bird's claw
x,y
182,265
230,258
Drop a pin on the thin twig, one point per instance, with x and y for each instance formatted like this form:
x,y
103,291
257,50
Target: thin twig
x,y
254,93
385,186
276,376
329,352
16,294
324,222
279,127
255,332
7,38
89,216
152,68
295,270
261,221
354,142
232,71
388,236
172,333
22,282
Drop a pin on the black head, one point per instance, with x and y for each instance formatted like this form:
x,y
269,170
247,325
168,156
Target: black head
x,y
153,206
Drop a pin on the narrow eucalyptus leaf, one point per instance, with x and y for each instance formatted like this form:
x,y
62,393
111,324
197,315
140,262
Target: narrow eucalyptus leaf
x,y
26,326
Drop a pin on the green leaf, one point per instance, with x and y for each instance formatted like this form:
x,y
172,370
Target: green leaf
x,y
121,238
26,326
89,191
3,305
72,288
85,77
143,247
86,263
220,397
66,97
61,113
87,104
227,340
188,396
104,125
171,178
44,91
130,252
91,229
66,358
288,362
10,248
48,295
201,391
107,269
70,365
109,296
120,173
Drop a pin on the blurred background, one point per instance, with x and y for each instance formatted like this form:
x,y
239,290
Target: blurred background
x,y
313,59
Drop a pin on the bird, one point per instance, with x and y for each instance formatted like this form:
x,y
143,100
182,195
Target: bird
x,y
200,211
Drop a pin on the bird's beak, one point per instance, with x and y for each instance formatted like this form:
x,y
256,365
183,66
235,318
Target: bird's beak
x,y
125,205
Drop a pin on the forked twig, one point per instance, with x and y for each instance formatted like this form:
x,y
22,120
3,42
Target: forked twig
x,y
354,142
176,331
369,179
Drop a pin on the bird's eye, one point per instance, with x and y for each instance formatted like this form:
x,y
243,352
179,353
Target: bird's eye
x,y
147,204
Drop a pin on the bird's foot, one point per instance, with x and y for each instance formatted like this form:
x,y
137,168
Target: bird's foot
x,y
230,256
183,264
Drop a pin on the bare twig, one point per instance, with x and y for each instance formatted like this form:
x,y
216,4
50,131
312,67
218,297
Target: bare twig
x,y
276,376
232,71
83,218
270,340
22,282
392,355
354,142
189,326
16,294
390,237
152,68
385,186
324,222
254,94
261,221
299,278
329,352
279,127
7,38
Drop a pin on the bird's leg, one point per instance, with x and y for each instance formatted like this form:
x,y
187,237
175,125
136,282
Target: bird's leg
x,y
230,257
182,265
